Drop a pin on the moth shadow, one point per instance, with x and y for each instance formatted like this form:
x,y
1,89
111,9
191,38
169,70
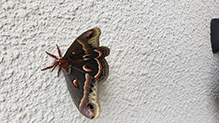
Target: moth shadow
x,y
214,82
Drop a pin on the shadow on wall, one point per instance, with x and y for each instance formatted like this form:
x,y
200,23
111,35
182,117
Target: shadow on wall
x,y
214,81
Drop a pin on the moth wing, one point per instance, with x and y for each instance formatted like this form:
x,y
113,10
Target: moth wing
x,y
215,35
95,64
84,43
83,89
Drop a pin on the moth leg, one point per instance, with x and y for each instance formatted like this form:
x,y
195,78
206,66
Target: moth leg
x,y
54,64
54,67
59,71
52,55
60,55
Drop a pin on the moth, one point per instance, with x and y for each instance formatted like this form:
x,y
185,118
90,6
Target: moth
x,y
215,35
84,67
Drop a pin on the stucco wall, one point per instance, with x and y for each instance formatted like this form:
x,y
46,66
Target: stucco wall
x,y
161,65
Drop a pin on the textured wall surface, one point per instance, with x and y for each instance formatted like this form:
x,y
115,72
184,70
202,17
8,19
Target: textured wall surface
x,y
161,65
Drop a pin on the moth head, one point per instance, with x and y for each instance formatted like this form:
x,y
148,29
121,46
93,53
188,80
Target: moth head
x,y
59,61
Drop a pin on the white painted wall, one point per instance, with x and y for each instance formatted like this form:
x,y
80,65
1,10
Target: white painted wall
x,y
161,65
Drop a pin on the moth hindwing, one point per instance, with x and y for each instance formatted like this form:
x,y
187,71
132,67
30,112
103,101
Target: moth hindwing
x,y
84,67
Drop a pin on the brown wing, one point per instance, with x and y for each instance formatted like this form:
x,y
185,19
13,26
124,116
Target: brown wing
x,y
85,43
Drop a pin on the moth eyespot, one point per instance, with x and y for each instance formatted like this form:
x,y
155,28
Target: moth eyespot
x,y
90,106
90,35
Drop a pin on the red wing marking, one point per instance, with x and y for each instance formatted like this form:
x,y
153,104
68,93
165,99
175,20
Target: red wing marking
x,y
100,68
86,69
100,52
75,83
73,52
84,56
83,45
85,89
